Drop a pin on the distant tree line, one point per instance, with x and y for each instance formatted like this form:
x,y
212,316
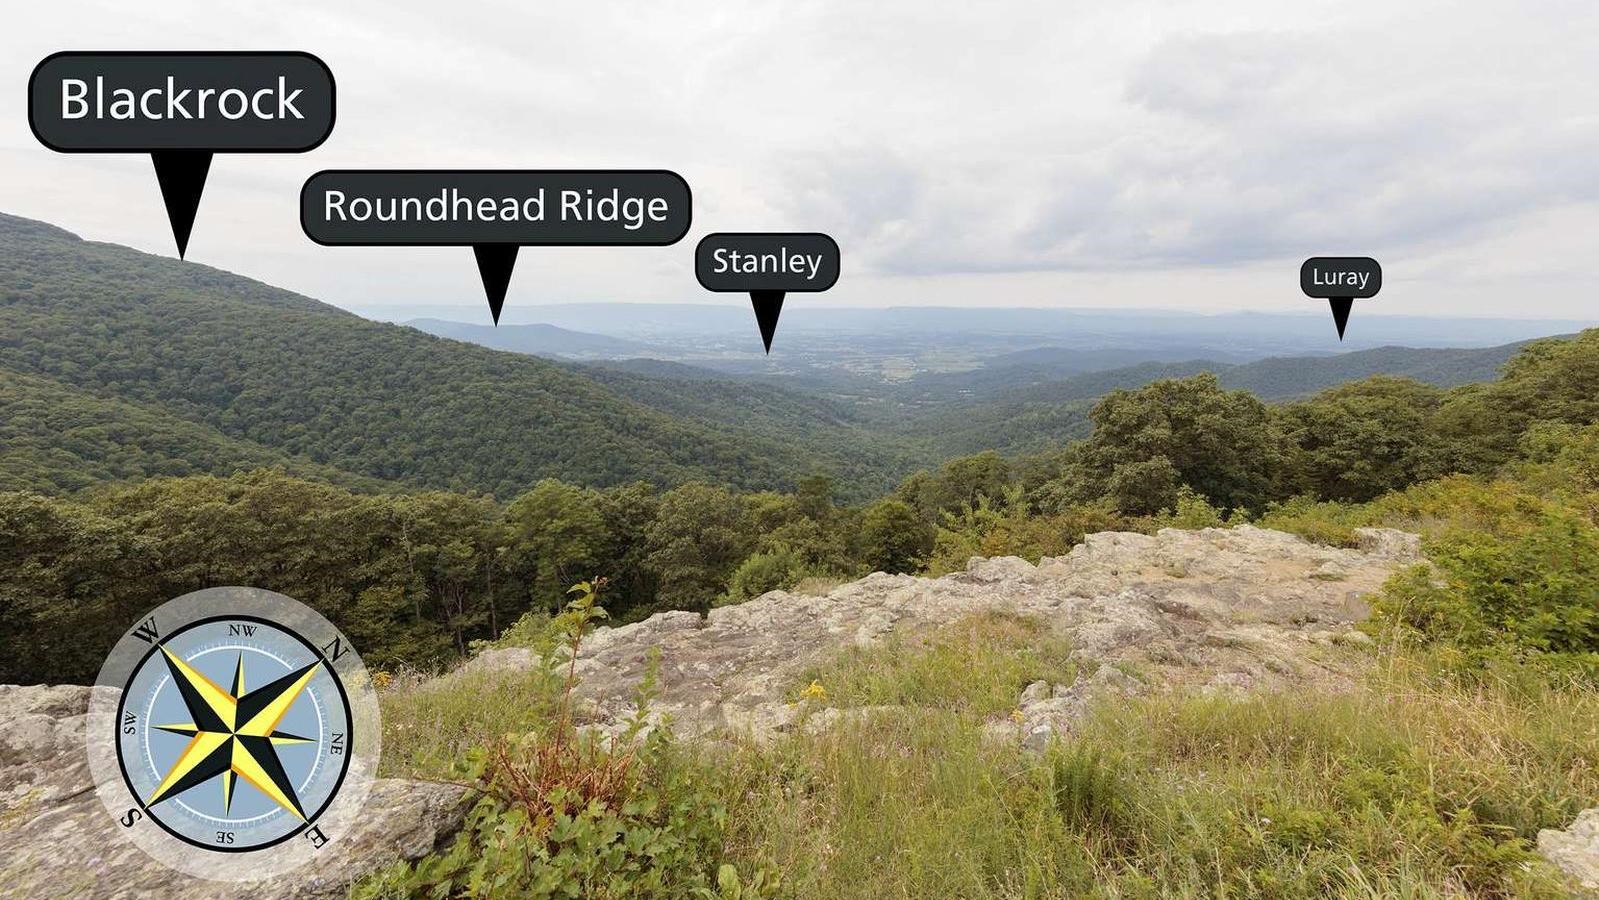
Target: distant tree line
x,y
413,578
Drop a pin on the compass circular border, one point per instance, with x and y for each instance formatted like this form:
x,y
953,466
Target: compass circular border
x,y
344,765
338,813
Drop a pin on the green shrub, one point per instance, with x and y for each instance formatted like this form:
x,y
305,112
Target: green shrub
x,y
1008,527
639,822
894,538
1191,511
1321,522
531,630
779,569
1535,592
1493,506
1559,459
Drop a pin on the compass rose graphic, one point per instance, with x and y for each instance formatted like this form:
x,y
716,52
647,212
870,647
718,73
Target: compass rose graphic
x,y
233,720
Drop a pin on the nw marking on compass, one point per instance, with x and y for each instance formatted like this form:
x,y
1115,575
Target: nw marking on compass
x,y
233,734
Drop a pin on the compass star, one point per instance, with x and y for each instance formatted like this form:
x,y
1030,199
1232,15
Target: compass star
x,y
233,734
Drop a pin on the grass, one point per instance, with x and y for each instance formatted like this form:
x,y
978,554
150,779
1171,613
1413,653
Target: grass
x,y
431,724
1408,786
1411,785
977,666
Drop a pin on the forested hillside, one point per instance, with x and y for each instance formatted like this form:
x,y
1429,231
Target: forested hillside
x,y
249,366
60,438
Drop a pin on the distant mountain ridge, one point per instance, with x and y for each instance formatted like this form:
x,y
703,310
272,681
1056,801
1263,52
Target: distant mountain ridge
x,y
1285,378
1247,334
537,339
1036,415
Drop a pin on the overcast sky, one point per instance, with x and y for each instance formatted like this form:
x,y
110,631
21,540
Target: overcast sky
x,y
1001,153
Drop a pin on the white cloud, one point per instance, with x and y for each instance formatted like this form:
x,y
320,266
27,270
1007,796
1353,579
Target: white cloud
x,y
1023,153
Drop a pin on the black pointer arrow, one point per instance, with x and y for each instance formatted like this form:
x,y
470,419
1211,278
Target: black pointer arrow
x,y
1340,310
768,306
181,174
1340,280
251,704
494,264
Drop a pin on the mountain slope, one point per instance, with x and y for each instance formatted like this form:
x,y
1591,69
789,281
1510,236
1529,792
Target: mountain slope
x,y
284,372
829,432
57,438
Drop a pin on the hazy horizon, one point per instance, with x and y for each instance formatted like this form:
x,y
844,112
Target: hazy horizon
x,y
679,330
467,314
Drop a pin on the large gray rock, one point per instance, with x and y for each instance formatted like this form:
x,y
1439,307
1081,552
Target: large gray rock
x,y
57,840
1575,850
1218,609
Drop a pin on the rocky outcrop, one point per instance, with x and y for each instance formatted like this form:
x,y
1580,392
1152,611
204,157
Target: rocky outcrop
x,y
1218,609
57,840
1215,610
